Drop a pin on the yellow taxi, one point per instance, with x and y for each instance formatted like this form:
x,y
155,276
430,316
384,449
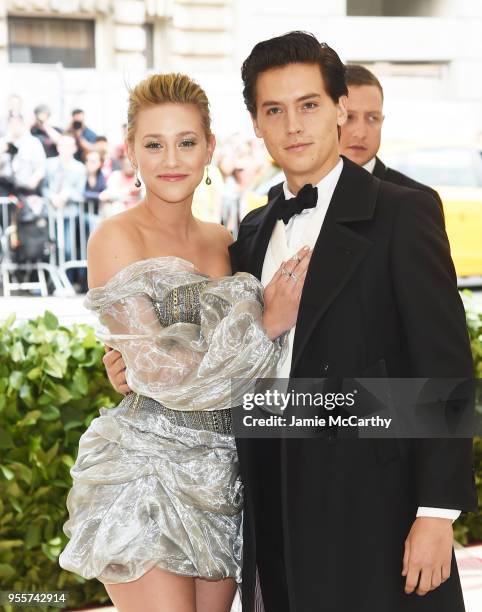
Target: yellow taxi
x,y
456,173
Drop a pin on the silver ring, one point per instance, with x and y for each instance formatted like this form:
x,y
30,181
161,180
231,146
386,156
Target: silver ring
x,y
294,276
285,271
296,258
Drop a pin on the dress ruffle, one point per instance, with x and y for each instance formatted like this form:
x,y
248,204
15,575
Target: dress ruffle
x,y
149,493
146,491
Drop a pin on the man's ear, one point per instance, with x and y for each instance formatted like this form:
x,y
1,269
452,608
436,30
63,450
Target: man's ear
x,y
255,126
342,110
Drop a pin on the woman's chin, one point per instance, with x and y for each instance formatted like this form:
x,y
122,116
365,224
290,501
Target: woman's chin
x,y
173,194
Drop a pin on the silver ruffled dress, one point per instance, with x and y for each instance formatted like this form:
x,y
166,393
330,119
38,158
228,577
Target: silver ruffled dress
x,y
156,481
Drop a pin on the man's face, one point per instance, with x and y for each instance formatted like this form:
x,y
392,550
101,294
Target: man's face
x,y
16,128
102,147
78,117
361,134
298,121
66,146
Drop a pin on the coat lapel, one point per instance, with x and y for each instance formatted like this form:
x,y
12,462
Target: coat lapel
x,y
380,169
261,237
338,251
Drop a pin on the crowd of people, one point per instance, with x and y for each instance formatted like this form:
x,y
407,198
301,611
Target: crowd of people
x,y
75,170
65,166
74,166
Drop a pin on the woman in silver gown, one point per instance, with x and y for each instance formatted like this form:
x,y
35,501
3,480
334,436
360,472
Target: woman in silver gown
x,y
155,511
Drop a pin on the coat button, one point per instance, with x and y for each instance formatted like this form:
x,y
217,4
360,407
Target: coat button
x,y
325,367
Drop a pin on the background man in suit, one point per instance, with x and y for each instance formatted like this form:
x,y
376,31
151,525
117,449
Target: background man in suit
x,y
361,133
334,524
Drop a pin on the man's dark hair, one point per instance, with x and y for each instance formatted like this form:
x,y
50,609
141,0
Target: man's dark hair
x,y
77,111
357,75
101,139
293,48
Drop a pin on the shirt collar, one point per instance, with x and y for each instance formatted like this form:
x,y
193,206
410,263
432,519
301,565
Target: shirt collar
x,y
326,186
370,165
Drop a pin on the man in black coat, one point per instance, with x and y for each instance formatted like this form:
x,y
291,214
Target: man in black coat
x,y
337,524
361,133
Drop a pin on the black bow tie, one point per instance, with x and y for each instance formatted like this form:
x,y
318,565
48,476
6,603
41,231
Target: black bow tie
x,y
307,198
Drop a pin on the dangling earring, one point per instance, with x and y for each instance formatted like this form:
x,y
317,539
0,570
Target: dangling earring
x,y
208,180
137,182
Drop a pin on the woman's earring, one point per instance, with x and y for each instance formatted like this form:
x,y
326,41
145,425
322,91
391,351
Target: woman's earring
x,y
208,180
138,181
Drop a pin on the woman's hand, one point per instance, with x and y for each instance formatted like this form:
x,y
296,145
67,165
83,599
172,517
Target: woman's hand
x,y
116,370
283,293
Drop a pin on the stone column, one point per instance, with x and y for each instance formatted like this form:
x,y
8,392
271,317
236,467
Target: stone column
x,y
201,35
129,34
3,32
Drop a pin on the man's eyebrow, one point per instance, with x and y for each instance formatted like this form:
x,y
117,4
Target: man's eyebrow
x,y
308,96
300,99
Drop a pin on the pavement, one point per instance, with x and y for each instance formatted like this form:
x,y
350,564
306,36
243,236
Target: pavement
x,y
71,310
68,309
469,562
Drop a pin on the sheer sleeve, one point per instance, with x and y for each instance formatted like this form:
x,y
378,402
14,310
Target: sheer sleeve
x,y
186,366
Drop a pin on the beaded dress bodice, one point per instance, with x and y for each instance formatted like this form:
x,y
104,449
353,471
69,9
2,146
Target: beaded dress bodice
x,y
180,305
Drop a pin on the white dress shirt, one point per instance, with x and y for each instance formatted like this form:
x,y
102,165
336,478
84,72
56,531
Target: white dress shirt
x,y
370,165
286,240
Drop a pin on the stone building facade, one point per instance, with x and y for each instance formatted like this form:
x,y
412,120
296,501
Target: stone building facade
x,y
132,34
83,52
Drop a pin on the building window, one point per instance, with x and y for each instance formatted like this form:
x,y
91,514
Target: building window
x,y
149,50
38,40
395,8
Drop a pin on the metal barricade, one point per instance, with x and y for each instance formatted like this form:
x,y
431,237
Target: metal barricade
x,y
11,270
71,227
68,230
7,205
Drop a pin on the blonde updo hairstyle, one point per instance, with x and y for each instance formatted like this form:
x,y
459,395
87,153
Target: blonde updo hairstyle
x,y
172,88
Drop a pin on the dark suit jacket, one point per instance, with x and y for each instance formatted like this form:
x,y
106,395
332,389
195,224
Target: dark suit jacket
x,y
393,176
326,519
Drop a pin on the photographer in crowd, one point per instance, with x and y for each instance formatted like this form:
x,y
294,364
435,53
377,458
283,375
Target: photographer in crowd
x,y
84,137
22,160
45,131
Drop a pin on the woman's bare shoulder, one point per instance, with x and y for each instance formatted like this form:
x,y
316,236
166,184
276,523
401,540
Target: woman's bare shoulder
x,y
218,232
112,246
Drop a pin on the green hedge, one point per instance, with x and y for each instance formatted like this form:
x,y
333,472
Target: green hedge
x,y
468,528
52,383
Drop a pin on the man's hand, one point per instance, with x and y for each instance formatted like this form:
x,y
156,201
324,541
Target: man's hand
x,y
428,554
116,370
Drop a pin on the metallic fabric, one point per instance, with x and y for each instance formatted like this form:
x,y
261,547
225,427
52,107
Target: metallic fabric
x,y
149,493
217,421
156,481
206,358
181,305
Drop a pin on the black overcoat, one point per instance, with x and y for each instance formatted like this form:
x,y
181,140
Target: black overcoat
x,y
326,518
